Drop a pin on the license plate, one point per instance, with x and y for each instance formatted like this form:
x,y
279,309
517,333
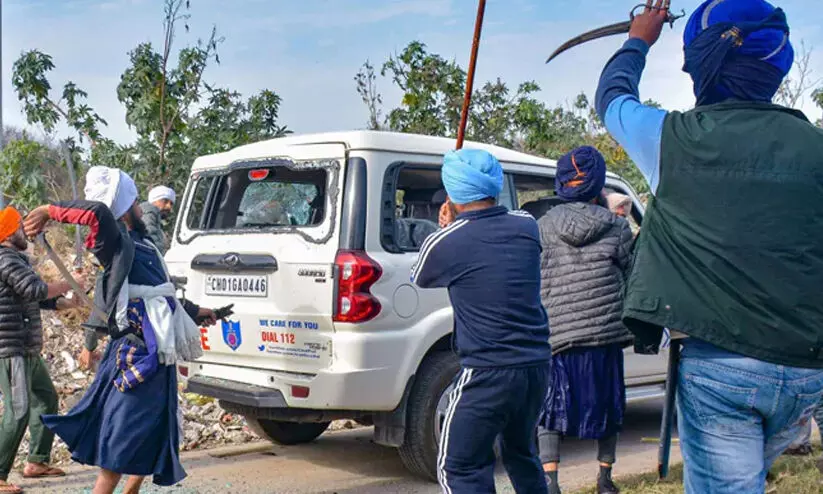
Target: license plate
x,y
239,285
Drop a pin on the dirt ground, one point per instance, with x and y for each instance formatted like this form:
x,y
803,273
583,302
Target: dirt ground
x,y
346,462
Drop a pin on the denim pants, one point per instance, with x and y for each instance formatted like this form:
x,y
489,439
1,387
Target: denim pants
x,y
736,415
805,437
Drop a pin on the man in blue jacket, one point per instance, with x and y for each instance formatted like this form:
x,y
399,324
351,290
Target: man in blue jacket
x,y
489,259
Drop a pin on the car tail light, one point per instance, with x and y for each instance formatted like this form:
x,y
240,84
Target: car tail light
x,y
184,371
356,273
300,391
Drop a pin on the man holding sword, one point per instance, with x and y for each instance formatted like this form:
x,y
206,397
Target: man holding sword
x,y
736,270
127,422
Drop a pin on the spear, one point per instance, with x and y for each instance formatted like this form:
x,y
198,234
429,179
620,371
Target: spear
x,y
467,99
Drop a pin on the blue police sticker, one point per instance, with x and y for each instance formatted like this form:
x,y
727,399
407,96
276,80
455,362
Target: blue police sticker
x,y
231,334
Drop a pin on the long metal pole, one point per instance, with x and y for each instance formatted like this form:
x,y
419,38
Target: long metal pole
x,y
467,99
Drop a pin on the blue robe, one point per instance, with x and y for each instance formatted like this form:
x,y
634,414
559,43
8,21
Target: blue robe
x,y
127,421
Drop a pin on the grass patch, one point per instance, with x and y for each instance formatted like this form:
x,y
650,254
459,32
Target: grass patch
x,y
789,475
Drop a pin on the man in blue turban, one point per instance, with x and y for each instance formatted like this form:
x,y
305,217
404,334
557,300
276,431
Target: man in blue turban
x,y
731,249
489,259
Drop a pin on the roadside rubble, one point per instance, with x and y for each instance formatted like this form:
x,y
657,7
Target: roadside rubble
x,y
205,424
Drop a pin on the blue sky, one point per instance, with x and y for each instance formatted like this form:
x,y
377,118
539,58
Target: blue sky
x,y
309,50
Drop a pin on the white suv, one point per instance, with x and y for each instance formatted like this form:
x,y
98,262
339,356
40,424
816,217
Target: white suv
x,y
312,238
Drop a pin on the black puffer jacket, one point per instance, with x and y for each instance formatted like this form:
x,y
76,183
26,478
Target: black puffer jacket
x,y
585,261
22,292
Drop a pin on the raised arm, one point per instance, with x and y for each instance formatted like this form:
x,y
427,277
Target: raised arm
x,y
438,262
105,236
635,126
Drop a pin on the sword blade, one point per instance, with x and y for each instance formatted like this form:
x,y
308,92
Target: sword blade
x,y
64,272
601,32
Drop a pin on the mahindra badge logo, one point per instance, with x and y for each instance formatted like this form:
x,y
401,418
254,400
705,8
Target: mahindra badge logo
x,y
231,260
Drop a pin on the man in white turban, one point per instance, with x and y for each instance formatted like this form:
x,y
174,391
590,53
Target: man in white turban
x,y
155,211
127,421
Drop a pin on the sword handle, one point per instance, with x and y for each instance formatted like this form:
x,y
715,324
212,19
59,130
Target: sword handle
x,y
670,17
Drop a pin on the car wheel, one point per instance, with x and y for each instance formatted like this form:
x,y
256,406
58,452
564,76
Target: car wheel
x,y
426,412
286,433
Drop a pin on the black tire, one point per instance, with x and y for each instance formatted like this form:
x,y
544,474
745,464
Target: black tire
x,y
419,449
286,433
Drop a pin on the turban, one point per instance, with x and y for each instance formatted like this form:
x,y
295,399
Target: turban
x,y
737,49
161,192
471,175
112,187
581,174
9,222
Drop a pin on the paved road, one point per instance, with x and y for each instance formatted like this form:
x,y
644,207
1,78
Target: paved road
x,y
347,462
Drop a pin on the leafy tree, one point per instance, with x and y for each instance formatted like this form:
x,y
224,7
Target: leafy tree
x,y
34,90
433,94
32,170
174,112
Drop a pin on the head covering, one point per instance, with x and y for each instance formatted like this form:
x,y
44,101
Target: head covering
x,y
161,192
614,201
471,175
737,49
9,222
112,187
581,174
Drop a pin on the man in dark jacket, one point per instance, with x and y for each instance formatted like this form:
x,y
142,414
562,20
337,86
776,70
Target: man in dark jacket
x,y
489,259
25,384
156,210
735,269
585,262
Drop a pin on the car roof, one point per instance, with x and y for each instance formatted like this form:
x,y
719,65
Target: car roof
x,y
364,140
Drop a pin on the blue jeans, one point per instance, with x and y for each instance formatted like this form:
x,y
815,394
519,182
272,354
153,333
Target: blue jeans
x,y
805,436
736,415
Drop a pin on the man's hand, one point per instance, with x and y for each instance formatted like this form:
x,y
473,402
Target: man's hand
x,y
446,216
64,303
36,221
88,358
207,317
648,25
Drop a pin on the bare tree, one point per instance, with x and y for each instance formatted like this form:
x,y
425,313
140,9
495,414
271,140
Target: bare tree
x,y
367,89
798,84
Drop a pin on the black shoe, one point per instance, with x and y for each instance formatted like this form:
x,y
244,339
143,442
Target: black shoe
x,y
802,450
551,482
605,484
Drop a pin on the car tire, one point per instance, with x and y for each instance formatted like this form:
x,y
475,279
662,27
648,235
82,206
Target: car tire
x,y
286,433
420,446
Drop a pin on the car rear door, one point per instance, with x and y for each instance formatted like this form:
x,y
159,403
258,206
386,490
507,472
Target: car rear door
x,y
262,235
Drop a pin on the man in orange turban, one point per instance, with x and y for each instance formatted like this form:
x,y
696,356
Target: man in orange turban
x,y
24,378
